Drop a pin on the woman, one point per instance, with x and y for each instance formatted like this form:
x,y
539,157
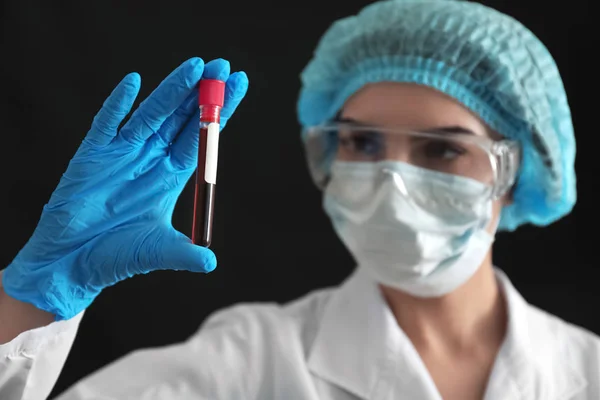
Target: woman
x,y
429,125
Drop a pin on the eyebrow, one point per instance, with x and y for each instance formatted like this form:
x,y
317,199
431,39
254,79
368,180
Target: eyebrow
x,y
451,129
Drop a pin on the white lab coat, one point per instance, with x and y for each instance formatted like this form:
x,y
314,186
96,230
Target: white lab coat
x,y
340,343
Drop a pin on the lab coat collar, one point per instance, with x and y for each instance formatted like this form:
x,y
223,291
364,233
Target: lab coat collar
x,y
531,363
360,348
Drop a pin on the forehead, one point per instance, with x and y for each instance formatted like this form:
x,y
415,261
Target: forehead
x,y
410,106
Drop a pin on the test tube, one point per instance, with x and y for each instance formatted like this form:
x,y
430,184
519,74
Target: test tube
x,y
211,93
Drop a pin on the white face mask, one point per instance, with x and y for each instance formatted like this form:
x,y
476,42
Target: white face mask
x,y
419,231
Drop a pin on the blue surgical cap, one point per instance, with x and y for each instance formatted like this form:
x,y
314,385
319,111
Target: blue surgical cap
x,y
484,59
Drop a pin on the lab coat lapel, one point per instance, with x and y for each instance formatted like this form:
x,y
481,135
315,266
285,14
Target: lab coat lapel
x,y
360,348
529,365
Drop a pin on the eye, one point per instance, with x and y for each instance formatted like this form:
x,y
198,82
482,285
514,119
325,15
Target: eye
x,y
364,143
443,150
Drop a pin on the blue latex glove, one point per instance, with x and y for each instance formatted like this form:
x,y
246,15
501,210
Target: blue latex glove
x,y
110,216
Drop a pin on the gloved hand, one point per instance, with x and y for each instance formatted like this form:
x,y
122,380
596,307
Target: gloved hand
x,y
110,216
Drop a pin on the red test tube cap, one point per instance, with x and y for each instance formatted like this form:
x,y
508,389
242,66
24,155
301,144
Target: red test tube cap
x,y
211,92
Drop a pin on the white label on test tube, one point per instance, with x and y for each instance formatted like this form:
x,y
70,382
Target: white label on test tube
x,y
212,153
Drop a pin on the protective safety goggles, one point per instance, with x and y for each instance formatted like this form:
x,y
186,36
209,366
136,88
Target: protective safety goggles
x,y
493,163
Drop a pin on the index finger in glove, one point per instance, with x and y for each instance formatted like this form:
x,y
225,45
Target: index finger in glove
x,y
115,108
163,101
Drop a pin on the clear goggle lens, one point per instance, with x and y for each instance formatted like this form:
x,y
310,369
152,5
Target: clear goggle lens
x,y
491,162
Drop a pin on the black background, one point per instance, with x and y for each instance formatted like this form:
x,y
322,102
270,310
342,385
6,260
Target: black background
x,y
59,60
